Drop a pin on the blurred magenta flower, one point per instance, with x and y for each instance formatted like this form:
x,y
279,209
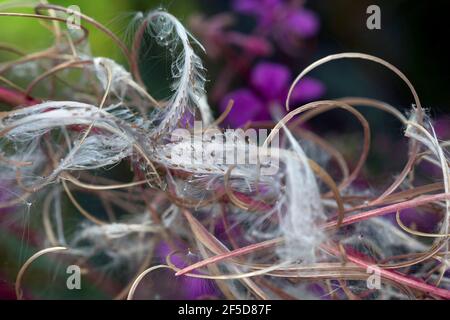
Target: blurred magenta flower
x,y
190,288
218,38
263,10
281,26
417,219
269,87
442,127
285,21
303,23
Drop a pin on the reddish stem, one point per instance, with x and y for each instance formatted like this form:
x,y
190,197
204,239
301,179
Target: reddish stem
x,y
15,98
347,221
393,275
389,209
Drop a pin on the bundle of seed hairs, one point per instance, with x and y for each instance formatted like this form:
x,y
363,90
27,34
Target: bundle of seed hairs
x,y
293,234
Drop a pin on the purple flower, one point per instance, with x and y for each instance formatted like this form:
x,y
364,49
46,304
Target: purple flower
x,y
307,89
255,45
254,6
285,21
229,231
247,106
269,87
442,127
303,23
264,10
270,80
416,219
216,36
190,288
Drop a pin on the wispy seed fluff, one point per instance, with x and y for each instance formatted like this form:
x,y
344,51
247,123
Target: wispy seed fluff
x,y
120,130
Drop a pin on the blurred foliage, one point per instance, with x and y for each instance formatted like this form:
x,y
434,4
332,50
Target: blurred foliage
x,y
27,35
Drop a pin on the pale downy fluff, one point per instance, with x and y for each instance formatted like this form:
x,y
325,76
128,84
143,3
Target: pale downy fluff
x,y
380,236
187,70
124,243
300,210
304,210
425,135
125,91
117,130
26,126
120,78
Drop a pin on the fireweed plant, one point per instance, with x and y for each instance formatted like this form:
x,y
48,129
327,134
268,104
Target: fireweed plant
x,y
222,230
258,58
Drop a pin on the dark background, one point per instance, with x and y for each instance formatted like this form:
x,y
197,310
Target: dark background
x,y
414,37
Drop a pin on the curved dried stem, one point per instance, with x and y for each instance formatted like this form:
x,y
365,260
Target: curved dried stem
x,y
26,265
